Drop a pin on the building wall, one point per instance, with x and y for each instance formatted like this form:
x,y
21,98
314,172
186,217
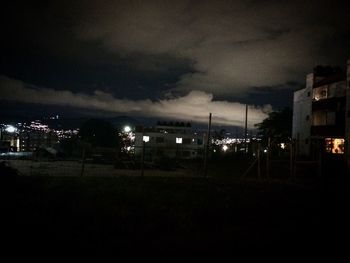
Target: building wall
x,y
347,114
32,140
321,113
302,117
328,110
164,145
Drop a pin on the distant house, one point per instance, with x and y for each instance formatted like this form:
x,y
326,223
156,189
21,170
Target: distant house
x,y
169,139
321,113
9,141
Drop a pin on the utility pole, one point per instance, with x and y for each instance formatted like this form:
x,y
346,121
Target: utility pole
x,y
291,159
245,129
143,158
268,159
83,157
207,146
259,165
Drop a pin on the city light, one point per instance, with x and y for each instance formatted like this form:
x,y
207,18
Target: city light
x,y
26,136
145,138
10,129
225,148
127,129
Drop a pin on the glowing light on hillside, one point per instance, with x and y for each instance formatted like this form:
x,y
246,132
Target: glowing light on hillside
x,y
127,129
10,129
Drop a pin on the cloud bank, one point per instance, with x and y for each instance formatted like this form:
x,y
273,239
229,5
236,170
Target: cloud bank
x,y
194,106
234,46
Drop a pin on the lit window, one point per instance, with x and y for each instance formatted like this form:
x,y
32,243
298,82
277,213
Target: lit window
x,y
320,93
145,138
179,140
334,145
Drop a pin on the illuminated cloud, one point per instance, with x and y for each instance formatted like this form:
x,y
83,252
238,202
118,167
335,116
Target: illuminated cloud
x,y
234,46
194,106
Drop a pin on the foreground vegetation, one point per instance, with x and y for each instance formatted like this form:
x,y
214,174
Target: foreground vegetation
x,y
168,214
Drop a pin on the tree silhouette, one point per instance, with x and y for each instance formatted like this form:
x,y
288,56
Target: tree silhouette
x,y
278,125
99,133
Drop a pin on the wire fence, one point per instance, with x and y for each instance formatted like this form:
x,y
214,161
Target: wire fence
x,y
261,161
105,162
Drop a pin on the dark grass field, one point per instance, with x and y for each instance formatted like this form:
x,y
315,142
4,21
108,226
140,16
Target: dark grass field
x,y
100,215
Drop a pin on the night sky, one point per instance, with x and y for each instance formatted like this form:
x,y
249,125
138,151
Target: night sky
x,y
166,59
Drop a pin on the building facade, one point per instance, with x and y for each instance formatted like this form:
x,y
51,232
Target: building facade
x,y
321,113
171,140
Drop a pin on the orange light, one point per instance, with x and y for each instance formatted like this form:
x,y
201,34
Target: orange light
x,y
335,145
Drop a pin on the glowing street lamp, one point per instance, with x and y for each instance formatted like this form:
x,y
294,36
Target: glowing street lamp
x,y
127,129
225,148
178,141
10,129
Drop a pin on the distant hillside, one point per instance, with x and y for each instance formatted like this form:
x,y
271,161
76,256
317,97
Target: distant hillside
x,y
71,123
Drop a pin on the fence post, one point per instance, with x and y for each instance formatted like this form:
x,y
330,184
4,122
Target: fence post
x,y
268,159
291,157
259,166
83,161
246,130
143,157
295,156
207,147
320,163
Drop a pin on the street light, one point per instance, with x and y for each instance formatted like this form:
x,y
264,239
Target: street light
x,y
127,129
178,141
10,129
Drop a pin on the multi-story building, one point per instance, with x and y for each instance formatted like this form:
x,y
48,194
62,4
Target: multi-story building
x,y
30,141
321,113
172,140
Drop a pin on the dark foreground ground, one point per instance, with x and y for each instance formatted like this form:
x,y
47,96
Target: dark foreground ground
x,y
165,216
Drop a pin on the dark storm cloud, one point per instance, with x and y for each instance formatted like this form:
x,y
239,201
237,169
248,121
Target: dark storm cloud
x,y
233,45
